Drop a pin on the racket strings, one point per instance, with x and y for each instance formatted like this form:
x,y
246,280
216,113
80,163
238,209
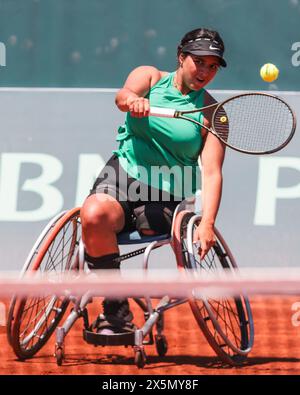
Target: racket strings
x,y
254,123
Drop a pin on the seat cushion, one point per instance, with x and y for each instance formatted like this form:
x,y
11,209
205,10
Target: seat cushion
x,y
136,238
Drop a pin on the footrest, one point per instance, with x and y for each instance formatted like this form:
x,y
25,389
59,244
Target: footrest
x,y
116,339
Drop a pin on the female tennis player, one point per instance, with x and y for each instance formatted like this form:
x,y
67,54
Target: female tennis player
x,y
135,190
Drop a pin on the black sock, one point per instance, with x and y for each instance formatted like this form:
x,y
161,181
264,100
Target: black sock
x,y
102,262
108,262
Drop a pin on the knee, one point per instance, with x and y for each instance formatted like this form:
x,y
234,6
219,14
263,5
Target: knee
x,y
98,217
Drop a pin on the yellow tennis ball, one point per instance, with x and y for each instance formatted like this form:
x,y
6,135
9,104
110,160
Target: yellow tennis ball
x,y
269,72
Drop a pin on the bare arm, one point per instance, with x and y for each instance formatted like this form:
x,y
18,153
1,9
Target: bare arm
x,y
132,96
208,100
212,157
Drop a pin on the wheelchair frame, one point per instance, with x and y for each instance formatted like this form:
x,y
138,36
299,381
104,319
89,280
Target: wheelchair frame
x,y
153,316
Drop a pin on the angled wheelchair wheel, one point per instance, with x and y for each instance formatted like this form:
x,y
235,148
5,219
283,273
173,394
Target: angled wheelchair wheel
x,y
28,263
32,320
226,323
179,235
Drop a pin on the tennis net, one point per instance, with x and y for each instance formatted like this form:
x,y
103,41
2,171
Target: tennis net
x,y
273,295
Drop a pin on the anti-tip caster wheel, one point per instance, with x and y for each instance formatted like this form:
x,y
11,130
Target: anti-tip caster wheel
x,y
140,358
59,355
161,345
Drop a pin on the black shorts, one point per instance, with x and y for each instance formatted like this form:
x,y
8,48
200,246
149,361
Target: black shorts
x,y
144,213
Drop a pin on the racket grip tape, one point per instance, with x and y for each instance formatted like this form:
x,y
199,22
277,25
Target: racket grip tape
x,y
162,112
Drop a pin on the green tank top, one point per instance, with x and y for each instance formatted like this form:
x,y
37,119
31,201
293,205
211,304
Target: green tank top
x,y
164,152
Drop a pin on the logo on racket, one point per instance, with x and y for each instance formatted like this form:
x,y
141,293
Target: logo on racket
x,y
223,119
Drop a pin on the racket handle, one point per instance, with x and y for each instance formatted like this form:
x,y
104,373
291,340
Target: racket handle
x,y
162,112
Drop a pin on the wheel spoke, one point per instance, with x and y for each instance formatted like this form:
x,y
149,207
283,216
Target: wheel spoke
x,y
224,322
38,317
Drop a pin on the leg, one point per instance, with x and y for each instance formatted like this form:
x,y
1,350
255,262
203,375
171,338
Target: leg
x,y
154,217
102,218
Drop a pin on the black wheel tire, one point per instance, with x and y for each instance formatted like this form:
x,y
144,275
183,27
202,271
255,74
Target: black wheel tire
x,y
59,355
161,345
140,359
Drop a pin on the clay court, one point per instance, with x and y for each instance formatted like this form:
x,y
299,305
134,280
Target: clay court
x,y
163,87
276,348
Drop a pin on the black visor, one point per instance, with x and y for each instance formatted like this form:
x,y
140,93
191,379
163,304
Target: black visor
x,y
203,47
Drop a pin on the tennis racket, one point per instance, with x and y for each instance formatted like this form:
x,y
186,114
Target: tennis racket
x,y
252,123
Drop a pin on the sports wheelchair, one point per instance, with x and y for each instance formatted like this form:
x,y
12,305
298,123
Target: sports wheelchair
x,y
227,324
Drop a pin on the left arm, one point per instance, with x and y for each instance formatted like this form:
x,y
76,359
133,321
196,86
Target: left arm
x,y
212,157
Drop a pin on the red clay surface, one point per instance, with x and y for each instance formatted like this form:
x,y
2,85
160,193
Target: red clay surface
x,y
276,349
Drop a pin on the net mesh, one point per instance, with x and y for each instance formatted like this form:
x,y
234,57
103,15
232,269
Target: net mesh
x,y
155,283
274,297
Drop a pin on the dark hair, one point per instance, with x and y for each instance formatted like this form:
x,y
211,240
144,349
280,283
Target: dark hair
x,y
200,33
